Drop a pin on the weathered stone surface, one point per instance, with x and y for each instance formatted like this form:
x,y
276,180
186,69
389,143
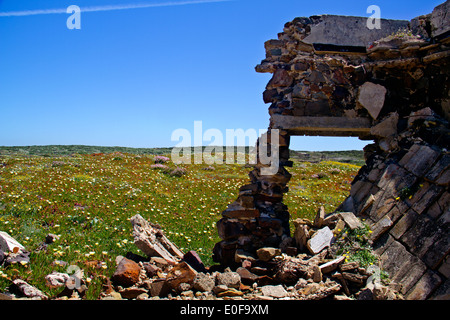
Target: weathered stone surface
x,y
404,224
320,217
219,288
152,241
267,253
387,127
281,78
380,227
402,267
180,273
371,96
56,279
424,197
440,19
322,125
443,292
317,275
419,159
440,173
194,260
203,282
229,279
301,235
289,270
23,288
127,273
350,31
320,240
350,220
230,292
274,291
9,244
247,277
22,257
132,292
331,265
424,286
318,291
158,288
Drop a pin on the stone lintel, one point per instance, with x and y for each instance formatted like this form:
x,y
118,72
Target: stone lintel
x,y
322,126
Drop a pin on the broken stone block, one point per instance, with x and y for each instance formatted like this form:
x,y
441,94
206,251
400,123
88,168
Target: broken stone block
x,y
203,282
229,279
150,270
440,172
241,256
274,291
350,220
404,224
9,244
419,159
403,267
320,240
266,254
301,235
127,273
24,289
290,270
132,292
247,277
230,292
380,227
429,281
158,288
371,96
331,265
180,273
317,276
56,279
387,127
194,261
320,217
151,240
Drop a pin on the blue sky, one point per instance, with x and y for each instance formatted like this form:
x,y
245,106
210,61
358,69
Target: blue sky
x,y
131,77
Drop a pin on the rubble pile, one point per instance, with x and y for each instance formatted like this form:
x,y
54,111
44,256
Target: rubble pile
x,y
166,273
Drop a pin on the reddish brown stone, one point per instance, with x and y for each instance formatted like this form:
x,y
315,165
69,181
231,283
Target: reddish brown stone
x,y
127,273
281,78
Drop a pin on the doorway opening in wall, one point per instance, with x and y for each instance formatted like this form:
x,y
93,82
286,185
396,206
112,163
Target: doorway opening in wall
x,y
322,172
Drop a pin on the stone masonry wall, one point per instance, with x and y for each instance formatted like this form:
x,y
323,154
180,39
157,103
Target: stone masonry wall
x,y
391,89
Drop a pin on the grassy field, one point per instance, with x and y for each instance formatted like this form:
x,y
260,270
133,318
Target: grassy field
x,y
88,199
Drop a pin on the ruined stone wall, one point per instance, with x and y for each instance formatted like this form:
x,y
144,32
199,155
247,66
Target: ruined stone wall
x,y
392,89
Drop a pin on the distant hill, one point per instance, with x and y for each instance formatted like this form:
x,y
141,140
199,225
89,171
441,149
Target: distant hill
x,y
65,150
352,156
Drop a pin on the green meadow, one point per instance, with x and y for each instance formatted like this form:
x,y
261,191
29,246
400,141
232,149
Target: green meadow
x,y
88,199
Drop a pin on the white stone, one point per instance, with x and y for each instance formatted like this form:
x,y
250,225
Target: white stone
x,y
56,279
320,240
8,243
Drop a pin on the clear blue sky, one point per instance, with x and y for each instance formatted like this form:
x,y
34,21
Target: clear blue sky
x,y
131,77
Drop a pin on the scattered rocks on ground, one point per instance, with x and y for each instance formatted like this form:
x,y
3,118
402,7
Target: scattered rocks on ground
x,y
268,274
